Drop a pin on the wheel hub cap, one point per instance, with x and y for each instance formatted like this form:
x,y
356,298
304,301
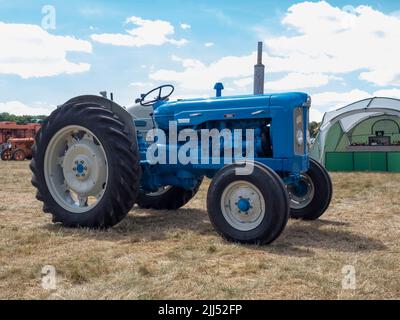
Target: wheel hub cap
x,y
80,168
243,205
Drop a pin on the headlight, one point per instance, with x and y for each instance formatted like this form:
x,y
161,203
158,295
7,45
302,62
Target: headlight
x,y
298,131
299,137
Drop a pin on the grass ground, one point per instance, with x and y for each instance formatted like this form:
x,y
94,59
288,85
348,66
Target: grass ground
x,y
178,255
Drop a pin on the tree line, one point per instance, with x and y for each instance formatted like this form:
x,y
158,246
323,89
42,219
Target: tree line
x,y
5,116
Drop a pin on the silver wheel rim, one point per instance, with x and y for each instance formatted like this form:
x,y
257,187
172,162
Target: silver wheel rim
x,y
75,169
240,218
300,202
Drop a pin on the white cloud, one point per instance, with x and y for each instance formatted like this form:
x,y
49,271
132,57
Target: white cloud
x,y
244,82
209,44
187,63
197,76
332,40
390,93
294,81
315,115
18,108
142,85
185,26
332,100
146,32
29,51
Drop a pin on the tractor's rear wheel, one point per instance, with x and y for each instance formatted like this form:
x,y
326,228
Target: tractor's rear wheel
x,y
251,208
311,196
6,155
85,166
19,155
167,198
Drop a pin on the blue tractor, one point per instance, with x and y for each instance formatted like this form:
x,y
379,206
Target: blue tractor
x,y
93,160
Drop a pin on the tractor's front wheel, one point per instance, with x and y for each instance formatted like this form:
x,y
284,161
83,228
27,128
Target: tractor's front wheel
x,y
250,208
311,196
85,166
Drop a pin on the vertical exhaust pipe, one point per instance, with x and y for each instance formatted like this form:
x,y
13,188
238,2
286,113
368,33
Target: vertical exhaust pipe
x,y
259,72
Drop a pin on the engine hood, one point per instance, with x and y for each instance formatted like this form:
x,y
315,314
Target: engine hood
x,y
196,111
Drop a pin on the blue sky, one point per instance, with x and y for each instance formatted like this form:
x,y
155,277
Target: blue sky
x,y
338,51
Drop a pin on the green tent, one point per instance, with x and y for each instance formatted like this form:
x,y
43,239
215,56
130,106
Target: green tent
x,y
363,136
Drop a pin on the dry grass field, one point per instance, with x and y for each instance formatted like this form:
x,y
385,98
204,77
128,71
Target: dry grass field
x,y
177,255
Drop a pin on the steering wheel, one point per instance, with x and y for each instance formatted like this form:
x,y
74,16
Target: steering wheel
x,y
159,97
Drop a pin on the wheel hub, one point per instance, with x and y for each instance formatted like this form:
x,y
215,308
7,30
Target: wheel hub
x,y
243,205
80,167
301,193
301,189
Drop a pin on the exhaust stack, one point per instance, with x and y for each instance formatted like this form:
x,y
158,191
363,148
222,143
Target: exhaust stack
x,y
259,72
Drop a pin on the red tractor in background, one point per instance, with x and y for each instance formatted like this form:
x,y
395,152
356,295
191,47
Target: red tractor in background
x,y
17,149
16,140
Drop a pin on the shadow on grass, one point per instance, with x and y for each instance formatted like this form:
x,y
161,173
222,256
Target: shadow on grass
x,y
298,239
323,222
146,225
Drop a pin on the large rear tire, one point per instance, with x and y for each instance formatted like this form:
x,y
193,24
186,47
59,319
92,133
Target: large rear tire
x,y
248,208
167,198
85,166
310,198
